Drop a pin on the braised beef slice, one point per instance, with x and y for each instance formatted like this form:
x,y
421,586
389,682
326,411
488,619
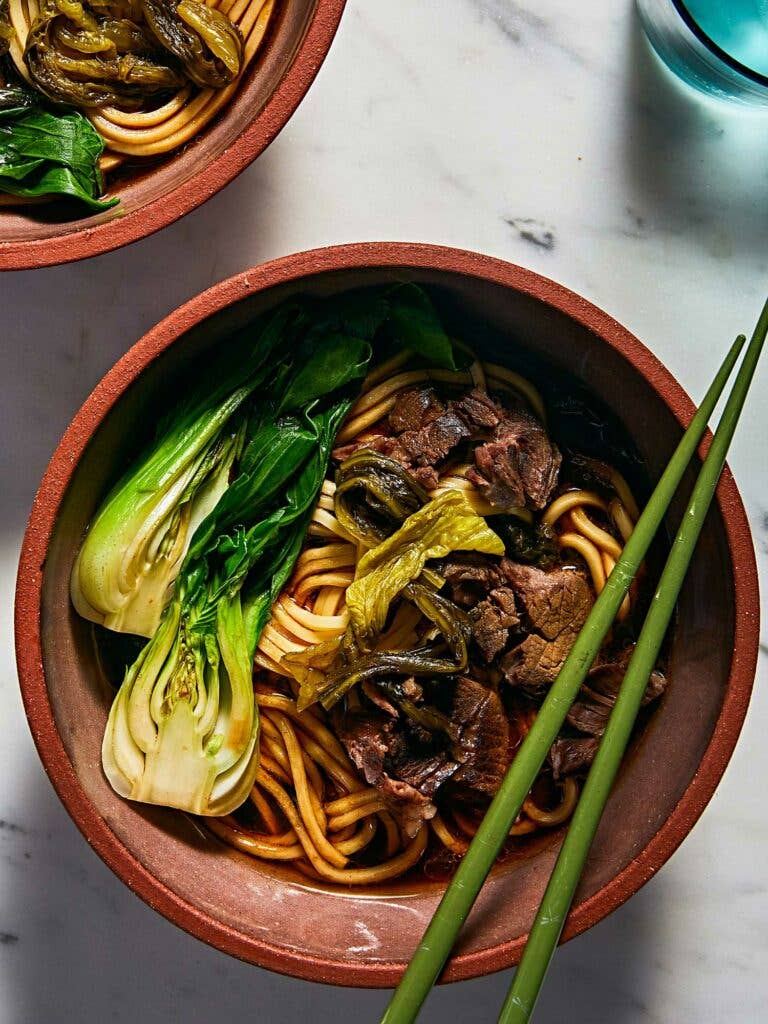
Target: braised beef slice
x,y
408,764
570,756
412,761
518,466
478,409
556,604
408,806
590,712
492,619
415,409
470,577
367,737
433,443
482,738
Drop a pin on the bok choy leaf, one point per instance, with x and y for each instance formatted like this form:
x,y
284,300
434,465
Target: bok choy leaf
x,y
126,567
211,520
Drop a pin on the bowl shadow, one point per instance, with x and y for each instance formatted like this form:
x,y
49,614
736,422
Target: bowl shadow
x,y
84,948
48,370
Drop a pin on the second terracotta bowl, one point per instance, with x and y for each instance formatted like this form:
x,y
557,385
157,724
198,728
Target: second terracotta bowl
x,y
299,36
270,916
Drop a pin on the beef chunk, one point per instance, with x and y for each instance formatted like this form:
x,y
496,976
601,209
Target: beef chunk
x,y
556,604
590,712
409,807
482,737
424,433
433,443
479,410
571,756
367,737
415,410
470,577
408,764
518,466
383,443
424,771
492,620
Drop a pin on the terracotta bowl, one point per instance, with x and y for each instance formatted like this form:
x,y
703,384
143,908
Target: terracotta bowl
x,y
270,916
297,42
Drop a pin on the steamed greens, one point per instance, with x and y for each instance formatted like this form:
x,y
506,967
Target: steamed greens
x,y
126,568
195,542
44,154
188,702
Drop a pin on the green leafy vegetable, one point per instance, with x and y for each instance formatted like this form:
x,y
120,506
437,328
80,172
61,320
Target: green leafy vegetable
x,y
205,41
329,670
415,319
45,154
339,359
82,54
374,495
131,555
445,524
375,499
187,705
245,464
524,542
134,547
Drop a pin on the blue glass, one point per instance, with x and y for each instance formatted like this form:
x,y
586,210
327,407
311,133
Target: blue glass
x,y
718,46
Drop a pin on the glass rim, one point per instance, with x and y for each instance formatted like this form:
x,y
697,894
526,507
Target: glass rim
x,y
707,41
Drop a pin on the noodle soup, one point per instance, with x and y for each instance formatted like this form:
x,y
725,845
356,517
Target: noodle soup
x,y
370,790
267,911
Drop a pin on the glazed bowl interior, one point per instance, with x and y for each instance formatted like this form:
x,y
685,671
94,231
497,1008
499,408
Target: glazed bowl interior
x,y
155,193
270,915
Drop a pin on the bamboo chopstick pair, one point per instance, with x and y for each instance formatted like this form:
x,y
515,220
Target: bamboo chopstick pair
x,y
438,940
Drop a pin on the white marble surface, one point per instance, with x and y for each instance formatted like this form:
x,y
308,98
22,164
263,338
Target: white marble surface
x,y
540,132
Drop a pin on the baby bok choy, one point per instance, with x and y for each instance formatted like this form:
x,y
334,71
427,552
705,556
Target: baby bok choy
x,y
124,573
196,541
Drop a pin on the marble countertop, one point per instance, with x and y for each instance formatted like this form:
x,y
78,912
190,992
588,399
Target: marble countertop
x,y
543,133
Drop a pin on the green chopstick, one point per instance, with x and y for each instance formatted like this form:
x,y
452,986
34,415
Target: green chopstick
x,y
558,896
438,939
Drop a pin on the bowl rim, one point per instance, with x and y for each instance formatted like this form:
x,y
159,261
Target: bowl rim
x,y
69,246
366,255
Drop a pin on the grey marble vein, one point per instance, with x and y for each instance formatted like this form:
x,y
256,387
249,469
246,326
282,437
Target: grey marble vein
x,y
533,231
